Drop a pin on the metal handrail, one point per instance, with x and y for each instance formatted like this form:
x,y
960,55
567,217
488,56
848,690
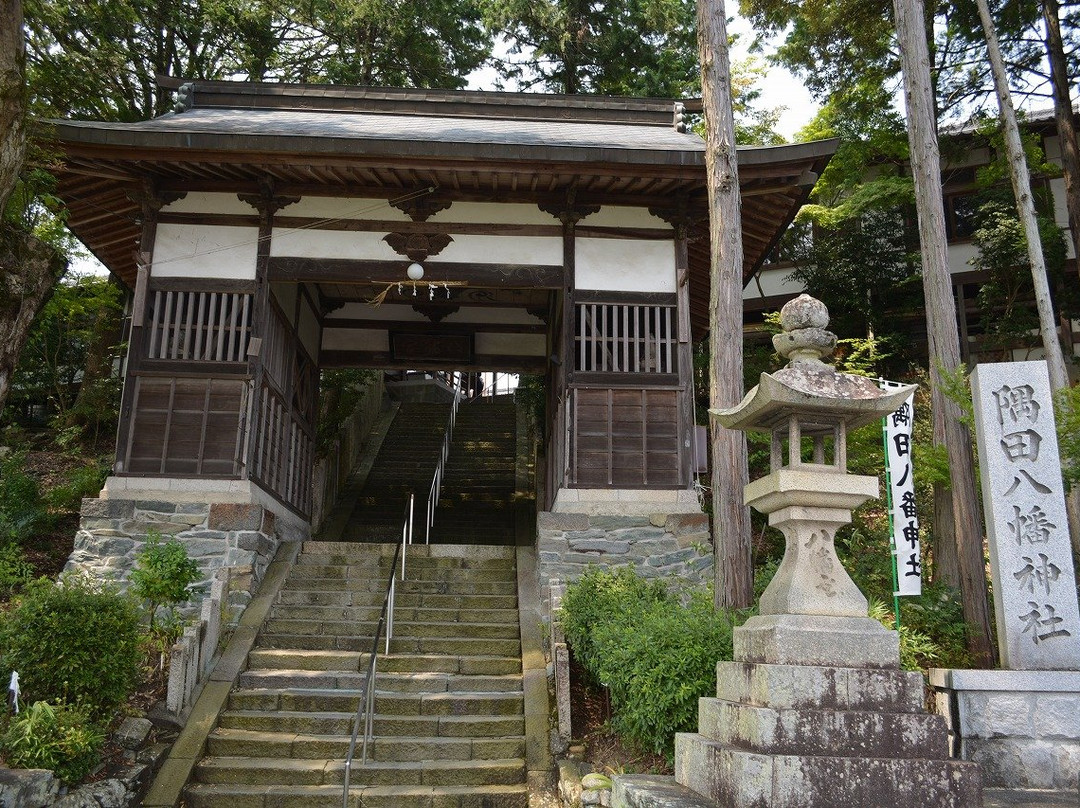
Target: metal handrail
x,y
437,478
365,710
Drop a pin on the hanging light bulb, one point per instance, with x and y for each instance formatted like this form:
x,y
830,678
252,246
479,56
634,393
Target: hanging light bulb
x,y
415,271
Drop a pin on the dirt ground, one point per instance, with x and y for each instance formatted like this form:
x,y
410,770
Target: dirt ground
x,y
590,712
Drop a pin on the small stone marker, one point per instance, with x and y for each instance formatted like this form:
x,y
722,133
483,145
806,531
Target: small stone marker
x,y
1038,621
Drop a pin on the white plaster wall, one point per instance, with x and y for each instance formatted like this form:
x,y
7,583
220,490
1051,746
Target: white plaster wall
x,y
347,339
205,202
502,250
308,330
772,283
333,244
182,250
621,216
332,207
960,255
625,265
511,344
494,213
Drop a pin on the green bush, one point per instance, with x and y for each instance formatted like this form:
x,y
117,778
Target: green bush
x,y
74,641
83,481
15,570
163,574
655,653
22,510
60,738
599,596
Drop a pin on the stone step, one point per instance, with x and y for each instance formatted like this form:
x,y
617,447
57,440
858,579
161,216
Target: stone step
x,y
384,682
804,731
201,795
412,561
293,772
370,614
382,749
654,791
403,629
331,597
398,645
457,589
736,778
306,699
415,576
334,660
341,723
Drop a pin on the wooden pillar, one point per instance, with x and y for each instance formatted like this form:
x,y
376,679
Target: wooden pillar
x,y
267,204
682,220
569,213
150,200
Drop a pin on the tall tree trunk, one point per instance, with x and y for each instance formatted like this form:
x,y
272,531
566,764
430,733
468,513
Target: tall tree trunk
x,y
1025,208
941,325
731,518
12,99
1063,116
29,270
946,561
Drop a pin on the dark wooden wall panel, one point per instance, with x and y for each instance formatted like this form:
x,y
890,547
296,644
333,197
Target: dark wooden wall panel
x,y
625,438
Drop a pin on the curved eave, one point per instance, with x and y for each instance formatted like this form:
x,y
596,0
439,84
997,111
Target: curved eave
x,y
103,164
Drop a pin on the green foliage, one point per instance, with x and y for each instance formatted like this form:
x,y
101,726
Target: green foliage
x,y
863,268
22,510
628,47
340,391
15,570
73,340
80,482
1067,412
1006,299
98,58
58,737
531,393
598,596
163,574
655,653
75,640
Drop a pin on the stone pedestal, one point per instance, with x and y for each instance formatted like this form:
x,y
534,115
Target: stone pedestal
x,y
795,736
1021,727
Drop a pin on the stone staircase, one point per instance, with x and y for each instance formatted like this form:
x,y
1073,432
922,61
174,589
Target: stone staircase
x,y
449,706
405,462
479,493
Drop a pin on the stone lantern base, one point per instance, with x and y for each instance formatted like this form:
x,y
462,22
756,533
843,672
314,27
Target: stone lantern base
x,y
796,736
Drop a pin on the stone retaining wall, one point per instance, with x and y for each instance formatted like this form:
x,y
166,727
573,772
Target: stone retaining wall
x,y
240,537
672,546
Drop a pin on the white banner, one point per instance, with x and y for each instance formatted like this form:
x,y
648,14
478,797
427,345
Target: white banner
x,y
901,485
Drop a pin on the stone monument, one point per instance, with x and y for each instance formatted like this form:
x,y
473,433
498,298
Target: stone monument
x,y
814,710
1022,724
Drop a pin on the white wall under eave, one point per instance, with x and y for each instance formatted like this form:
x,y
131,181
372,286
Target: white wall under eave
x,y
773,283
333,208
623,216
206,202
511,344
493,213
625,265
332,244
960,254
542,250
201,251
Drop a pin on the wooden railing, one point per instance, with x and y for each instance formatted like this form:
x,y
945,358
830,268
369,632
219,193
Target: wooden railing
x,y
284,448
199,326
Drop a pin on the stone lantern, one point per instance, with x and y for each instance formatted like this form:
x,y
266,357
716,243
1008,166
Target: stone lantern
x,y
813,711
812,612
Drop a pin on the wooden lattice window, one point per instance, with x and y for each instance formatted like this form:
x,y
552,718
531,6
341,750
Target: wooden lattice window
x,y
199,326
625,338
